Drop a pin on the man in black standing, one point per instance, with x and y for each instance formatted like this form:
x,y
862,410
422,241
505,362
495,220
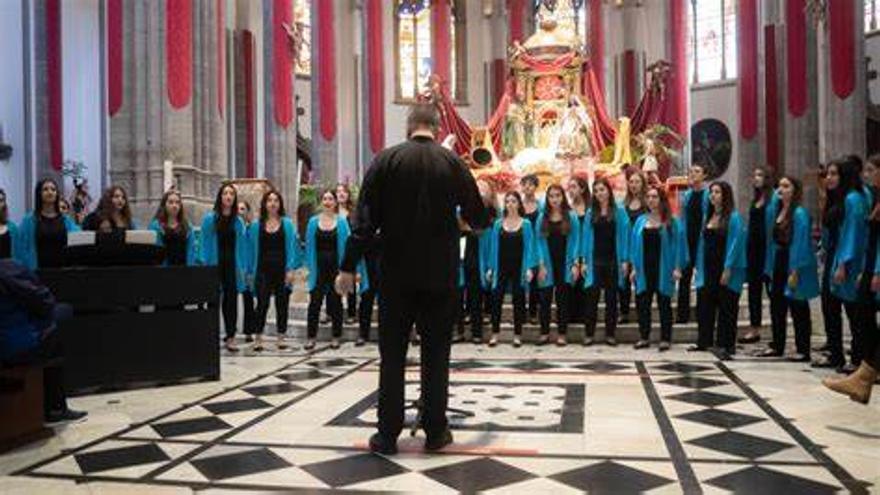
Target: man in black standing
x,y
411,194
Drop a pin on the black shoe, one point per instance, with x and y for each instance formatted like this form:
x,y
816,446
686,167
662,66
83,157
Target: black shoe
x,y
848,369
799,358
477,340
359,342
768,352
623,320
248,338
588,341
64,416
822,348
723,355
458,339
437,442
697,348
611,341
664,346
381,445
827,362
682,320
642,344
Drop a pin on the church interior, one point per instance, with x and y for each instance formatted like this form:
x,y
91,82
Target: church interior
x,y
149,102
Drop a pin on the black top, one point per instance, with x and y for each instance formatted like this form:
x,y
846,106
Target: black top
x,y
327,255
175,245
781,236
694,219
411,193
557,243
873,238
6,245
714,242
471,249
510,252
634,214
533,216
93,220
51,241
757,237
226,243
651,255
604,241
272,256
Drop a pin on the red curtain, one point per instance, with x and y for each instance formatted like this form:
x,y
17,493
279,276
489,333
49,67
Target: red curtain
x,y
597,43
499,80
540,65
747,25
605,128
675,108
441,46
221,56
796,60
54,71
327,70
771,92
629,82
178,51
282,65
375,74
250,104
115,51
515,10
842,47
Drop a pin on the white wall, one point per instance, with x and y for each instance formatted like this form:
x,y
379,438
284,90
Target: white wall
x,y
83,106
719,102
12,172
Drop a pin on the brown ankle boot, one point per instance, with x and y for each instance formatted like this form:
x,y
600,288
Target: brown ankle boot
x,y
857,385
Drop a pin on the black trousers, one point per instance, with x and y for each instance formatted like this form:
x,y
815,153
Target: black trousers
x,y
432,313
757,285
250,313
870,341
684,292
717,314
800,313
317,296
474,300
560,292
624,298
511,280
832,314
604,280
365,312
867,323
229,301
577,300
281,293
351,305
664,303
534,298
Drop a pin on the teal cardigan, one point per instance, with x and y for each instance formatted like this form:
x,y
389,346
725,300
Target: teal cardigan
x,y
293,256
734,257
572,250
343,231
26,252
190,241
490,262
801,257
208,254
622,233
851,241
673,255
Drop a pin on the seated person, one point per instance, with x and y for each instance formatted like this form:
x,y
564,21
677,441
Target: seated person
x,y
28,334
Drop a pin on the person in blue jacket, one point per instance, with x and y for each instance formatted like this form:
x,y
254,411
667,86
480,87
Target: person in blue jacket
x,y
557,233
8,230
476,249
844,236
249,322
223,244
694,209
634,205
760,227
326,235
792,268
533,206
605,253
720,273
657,252
274,250
578,189
509,264
173,231
42,235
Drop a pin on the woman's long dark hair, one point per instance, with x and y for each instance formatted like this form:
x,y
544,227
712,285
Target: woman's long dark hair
x,y
763,193
665,209
349,204
106,208
520,209
264,213
727,202
162,212
564,208
797,195
629,196
222,221
585,189
4,212
594,204
331,190
38,197
849,171
875,208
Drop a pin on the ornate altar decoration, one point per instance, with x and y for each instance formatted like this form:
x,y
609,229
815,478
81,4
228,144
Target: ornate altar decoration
x,y
551,120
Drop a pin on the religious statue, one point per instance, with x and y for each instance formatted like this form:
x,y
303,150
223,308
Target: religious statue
x,y
650,164
574,134
517,133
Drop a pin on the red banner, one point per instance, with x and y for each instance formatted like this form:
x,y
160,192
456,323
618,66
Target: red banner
x,y
247,49
597,43
771,94
115,50
221,56
282,65
629,82
515,10
326,70
796,60
178,51
842,47
747,25
375,74
54,83
675,111
441,45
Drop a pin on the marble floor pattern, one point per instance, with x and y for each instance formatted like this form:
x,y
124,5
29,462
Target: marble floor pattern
x,y
543,420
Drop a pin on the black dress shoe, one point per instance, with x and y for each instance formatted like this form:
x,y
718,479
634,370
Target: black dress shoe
x,y
437,442
799,358
768,352
822,348
65,415
381,445
697,348
826,362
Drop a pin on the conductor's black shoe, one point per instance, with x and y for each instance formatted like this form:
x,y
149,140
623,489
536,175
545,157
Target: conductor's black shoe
x,y
381,445
65,415
434,443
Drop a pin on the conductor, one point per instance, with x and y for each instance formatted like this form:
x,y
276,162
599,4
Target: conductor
x,y
411,195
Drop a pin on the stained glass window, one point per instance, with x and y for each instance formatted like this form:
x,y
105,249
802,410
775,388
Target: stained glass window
x,y
712,47
872,15
303,18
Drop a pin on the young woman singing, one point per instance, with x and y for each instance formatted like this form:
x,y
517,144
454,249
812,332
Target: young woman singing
x,y
760,228
634,204
173,231
42,235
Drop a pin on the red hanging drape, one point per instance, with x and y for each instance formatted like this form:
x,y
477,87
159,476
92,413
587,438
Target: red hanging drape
x,y
515,10
375,75
539,65
250,103
499,79
597,43
796,59
282,65
221,56
841,49
115,70
629,82
441,46
747,27
771,103
604,128
54,83
178,51
675,107
327,70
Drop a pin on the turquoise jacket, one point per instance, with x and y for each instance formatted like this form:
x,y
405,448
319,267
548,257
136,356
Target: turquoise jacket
x,y
622,233
13,237
801,257
190,241
683,213
852,239
343,231
208,253
26,252
542,251
673,255
293,256
490,262
734,257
